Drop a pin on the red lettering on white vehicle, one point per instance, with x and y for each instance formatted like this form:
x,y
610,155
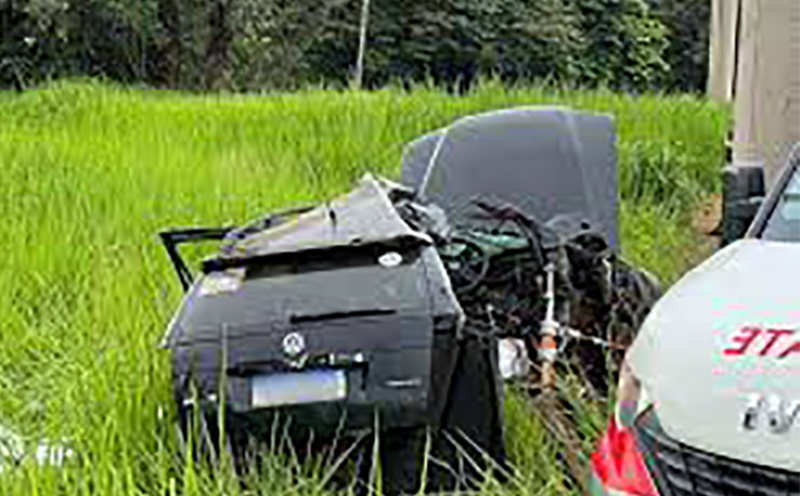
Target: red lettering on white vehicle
x,y
775,342
795,348
745,338
775,335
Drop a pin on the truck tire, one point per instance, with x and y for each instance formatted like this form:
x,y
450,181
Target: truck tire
x,y
743,191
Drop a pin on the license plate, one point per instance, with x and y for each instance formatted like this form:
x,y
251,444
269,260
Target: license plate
x,y
298,388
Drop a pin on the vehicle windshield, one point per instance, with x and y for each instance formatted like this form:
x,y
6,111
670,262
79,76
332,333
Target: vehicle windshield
x,y
784,221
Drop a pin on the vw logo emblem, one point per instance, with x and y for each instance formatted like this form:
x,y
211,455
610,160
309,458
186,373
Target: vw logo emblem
x,y
294,344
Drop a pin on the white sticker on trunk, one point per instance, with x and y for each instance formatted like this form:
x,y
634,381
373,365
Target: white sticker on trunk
x,y
227,281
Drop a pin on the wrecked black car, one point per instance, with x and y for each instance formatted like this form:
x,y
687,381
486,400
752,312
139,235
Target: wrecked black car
x,y
339,318
385,308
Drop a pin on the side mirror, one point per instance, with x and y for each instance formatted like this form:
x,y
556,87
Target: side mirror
x,y
742,195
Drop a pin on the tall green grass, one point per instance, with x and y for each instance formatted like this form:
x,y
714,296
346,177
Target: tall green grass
x,y
89,173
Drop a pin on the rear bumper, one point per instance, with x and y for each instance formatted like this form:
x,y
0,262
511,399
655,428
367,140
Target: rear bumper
x,y
323,418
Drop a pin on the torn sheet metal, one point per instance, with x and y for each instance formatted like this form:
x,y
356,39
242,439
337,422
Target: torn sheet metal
x,y
363,216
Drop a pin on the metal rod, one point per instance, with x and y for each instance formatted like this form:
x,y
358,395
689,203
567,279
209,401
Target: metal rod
x,y
548,348
555,419
362,44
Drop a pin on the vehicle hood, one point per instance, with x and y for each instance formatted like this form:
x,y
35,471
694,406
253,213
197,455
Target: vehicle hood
x,y
700,375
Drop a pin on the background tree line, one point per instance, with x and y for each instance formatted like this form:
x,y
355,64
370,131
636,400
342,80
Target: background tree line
x,y
257,44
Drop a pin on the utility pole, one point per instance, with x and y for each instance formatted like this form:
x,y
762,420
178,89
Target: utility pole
x,y
722,49
362,44
767,101
755,61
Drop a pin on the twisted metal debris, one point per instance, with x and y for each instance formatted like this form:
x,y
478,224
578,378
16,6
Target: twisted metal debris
x,y
500,272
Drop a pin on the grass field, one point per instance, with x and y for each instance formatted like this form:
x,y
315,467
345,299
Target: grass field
x,y
89,174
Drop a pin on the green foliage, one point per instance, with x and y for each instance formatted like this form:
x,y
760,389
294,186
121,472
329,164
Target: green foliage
x,y
687,23
91,173
43,39
625,44
537,40
613,43
271,48
257,44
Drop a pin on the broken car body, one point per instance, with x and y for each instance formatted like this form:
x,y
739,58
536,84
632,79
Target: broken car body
x,y
390,301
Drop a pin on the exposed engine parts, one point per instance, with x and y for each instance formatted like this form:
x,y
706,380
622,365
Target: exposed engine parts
x,y
499,262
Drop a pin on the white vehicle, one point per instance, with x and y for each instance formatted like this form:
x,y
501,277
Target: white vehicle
x,y
709,398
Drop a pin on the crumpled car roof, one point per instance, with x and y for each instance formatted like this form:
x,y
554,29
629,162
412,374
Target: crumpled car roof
x,y
365,215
